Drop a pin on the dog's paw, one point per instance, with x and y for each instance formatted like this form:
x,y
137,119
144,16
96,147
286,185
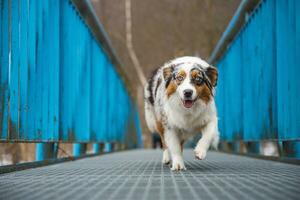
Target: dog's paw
x,y
177,164
200,153
166,157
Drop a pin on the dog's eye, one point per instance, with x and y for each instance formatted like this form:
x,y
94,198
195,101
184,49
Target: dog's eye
x,y
197,79
179,78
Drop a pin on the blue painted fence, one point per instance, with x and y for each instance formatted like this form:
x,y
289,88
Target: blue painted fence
x,y
57,84
259,86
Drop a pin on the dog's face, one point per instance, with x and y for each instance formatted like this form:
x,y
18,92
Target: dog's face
x,y
190,82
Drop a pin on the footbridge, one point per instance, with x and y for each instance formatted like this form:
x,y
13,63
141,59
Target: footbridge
x,y
61,82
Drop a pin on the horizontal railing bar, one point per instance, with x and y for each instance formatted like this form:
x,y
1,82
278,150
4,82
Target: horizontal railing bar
x,y
54,141
234,26
113,141
263,140
85,10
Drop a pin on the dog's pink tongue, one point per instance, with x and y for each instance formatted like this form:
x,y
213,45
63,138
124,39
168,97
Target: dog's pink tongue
x,y
188,103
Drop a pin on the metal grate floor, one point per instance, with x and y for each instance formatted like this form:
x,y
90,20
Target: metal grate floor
x,y
139,174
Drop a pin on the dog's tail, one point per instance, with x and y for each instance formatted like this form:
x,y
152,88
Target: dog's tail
x,y
215,141
149,111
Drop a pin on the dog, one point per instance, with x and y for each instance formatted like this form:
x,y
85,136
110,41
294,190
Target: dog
x,y
179,103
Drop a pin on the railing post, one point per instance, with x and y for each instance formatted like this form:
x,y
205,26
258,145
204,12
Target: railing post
x,y
45,151
116,146
291,149
236,146
253,147
97,148
107,147
79,149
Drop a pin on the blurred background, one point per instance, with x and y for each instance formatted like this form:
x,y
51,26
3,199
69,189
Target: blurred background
x,y
71,89
160,30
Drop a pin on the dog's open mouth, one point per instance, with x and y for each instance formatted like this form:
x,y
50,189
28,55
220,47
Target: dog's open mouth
x,y
188,103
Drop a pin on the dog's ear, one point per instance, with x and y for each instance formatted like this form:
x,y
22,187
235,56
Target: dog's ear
x,y
212,73
168,74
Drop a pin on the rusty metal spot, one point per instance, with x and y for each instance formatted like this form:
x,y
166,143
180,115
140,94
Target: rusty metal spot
x,y
93,136
272,129
238,135
2,106
1,121
39,133
270,111
71,135
12,130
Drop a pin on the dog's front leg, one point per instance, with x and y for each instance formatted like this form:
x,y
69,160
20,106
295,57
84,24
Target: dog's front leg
x,y
174,147
208,133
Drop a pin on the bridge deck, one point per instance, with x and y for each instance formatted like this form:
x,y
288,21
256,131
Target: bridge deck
x,y
139,174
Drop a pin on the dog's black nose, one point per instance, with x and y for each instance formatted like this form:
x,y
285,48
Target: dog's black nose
x,y
188,93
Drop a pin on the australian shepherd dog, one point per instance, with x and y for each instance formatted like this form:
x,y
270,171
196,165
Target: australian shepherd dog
x,y
179,103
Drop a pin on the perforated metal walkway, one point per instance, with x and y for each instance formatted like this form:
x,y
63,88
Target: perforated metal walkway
x,y
139,174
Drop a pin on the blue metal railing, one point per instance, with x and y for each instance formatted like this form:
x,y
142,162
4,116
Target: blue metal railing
x,y
258,90
60,80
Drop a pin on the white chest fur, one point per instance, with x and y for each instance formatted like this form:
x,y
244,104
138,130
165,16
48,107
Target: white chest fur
x,y
190,120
